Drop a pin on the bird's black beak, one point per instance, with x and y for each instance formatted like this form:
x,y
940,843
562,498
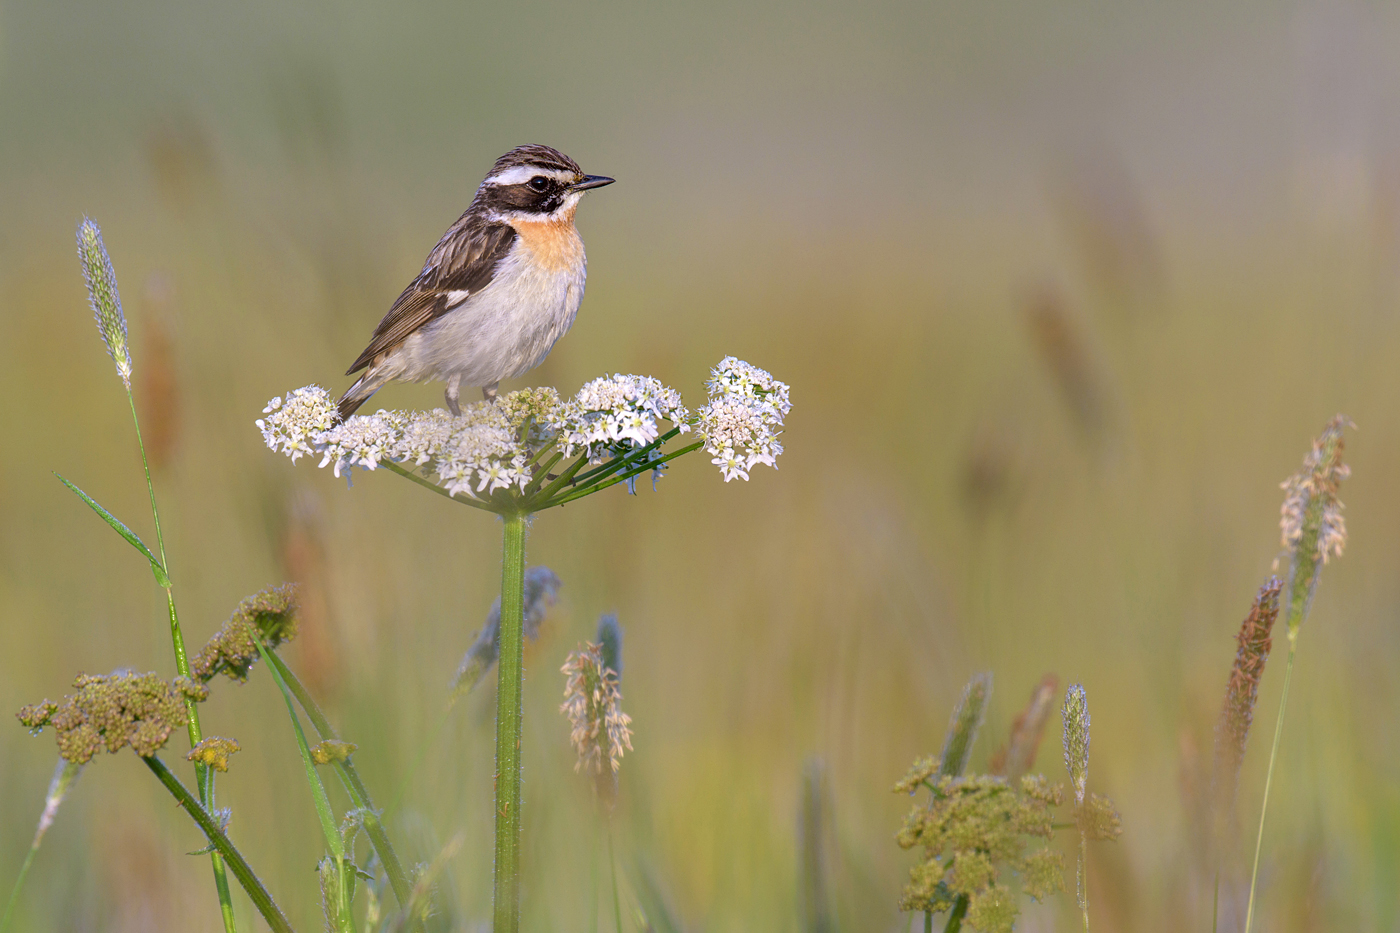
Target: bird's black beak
x,y
592,181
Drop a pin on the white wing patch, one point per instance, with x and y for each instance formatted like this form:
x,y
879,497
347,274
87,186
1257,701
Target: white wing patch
x,y
457,296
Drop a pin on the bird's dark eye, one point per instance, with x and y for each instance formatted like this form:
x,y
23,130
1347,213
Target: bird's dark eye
x,y
539,183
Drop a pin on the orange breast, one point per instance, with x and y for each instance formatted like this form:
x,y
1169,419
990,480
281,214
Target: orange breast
x,y
555,243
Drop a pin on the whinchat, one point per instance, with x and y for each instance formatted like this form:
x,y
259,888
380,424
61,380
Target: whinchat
x,y
501,287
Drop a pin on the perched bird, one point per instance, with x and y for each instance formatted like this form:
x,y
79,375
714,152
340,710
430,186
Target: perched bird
x,y
502,285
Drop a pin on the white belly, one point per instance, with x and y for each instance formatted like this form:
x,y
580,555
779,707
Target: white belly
x,y
503,331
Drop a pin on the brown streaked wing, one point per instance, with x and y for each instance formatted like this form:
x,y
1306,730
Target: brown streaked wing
x,y
465,259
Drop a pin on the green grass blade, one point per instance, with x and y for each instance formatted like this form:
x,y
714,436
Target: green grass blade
x,y
121,529
313,779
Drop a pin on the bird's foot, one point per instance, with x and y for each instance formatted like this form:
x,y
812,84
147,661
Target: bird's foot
x,y
489,392
452,395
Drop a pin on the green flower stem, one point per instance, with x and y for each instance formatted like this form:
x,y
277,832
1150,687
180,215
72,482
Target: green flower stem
x,y
955,916
563,479
617,901
511,667
359,796
928,922
204,777
541,472
621,477
1269,778
262,900
434,487
334,842
19,883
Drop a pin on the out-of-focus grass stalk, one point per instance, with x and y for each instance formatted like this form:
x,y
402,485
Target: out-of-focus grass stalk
x,y
339,914
106,303
811,841
262,900
63,777
1313,532
957,749
349,777
511,668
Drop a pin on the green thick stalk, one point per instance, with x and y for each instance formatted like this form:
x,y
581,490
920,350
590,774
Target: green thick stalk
x,y
262,900
204,777
511,667
349,777
955,916
1269,778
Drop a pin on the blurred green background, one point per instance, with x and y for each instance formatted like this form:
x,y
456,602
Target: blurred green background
x,y
1062,290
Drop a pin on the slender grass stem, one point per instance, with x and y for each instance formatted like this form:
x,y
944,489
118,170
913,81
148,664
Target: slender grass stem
x,y
1269,778
511,669
204,777
334,842
19,883
359,796
262,900
617,901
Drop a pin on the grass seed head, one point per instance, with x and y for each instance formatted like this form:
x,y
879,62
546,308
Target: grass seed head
x,y
1241,694
1075,714
593,703
962,730
1311,521
106,301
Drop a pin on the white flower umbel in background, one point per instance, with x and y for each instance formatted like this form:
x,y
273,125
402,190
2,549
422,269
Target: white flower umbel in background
x,y
527,452
745,415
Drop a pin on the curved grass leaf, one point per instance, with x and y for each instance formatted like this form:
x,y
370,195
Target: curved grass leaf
x,y
161,578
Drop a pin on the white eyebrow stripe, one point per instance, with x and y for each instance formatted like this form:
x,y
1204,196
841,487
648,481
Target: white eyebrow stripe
x,y
519,174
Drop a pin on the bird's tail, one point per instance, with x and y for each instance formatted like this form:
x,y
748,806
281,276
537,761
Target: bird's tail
x,y
358,394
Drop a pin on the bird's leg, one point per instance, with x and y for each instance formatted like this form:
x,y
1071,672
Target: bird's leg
x,y
489,392
454,384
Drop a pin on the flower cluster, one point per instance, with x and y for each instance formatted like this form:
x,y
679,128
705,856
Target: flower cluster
x,y
972,829
593,704
616,424
744,417
270,615
115,710
612,415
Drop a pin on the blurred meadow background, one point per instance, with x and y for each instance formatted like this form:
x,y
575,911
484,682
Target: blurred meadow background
x,y
1063,292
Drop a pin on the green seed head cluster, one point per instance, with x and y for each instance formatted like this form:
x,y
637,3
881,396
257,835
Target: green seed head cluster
x,y
323,753
271,614
1076,738
115,710
973,831
214,752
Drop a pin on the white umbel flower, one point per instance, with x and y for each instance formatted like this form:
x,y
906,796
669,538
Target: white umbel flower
x,y
744,418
